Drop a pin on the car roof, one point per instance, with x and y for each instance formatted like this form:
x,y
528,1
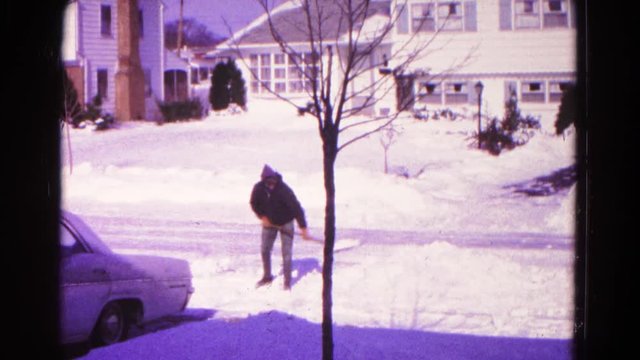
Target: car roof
x,y
88,235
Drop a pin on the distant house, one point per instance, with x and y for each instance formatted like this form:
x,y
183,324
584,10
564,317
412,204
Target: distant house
x,y
264,66
525,46
188,75
90,50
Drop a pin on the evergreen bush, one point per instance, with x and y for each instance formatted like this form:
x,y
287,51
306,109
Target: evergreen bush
x,y
513,130
237,88
567,111
93,114
219,94
173,111
227,86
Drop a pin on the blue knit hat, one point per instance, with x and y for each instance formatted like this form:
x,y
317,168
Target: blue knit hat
x,y
267,171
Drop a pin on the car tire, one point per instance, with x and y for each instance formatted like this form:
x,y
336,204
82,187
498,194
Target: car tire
x,y
112,325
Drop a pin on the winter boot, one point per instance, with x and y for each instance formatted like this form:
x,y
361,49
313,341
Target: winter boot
x,y
267,279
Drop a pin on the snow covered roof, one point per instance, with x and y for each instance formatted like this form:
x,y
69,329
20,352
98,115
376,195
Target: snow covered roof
x,y
291,23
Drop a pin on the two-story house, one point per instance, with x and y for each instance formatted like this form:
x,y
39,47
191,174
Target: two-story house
x,y
526,46
91,51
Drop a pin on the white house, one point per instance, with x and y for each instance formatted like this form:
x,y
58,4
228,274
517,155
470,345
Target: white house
x,y
526,46
90,50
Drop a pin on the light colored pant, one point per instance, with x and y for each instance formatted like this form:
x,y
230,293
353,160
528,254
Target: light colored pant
x,y
268,239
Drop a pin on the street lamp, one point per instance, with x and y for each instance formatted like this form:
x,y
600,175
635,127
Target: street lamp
x,y
479,87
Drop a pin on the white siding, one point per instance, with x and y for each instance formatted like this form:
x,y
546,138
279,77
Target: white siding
x,y
70,36
101,52
151,46
151,52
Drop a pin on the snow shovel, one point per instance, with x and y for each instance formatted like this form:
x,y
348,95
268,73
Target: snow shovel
x,y
339,245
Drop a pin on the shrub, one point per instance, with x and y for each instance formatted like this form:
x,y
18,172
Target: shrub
x,y
237,87
93,114
227,86
173,111
105,122
219,94
567,110
513,130
494,139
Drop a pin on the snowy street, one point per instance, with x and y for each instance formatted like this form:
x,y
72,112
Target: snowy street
x,y
432,288
453,263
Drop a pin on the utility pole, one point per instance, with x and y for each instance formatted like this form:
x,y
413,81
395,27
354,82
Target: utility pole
x,y
180,27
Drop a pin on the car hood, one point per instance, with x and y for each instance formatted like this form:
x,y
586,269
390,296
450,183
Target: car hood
x,y
160,267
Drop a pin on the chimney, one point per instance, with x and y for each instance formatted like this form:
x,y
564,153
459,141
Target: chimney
x,y
129,75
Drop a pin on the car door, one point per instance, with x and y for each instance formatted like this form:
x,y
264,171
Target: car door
x,y
85,286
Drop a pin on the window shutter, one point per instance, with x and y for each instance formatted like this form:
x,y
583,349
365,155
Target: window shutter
x,y
470,16
505,14
403,18
508,87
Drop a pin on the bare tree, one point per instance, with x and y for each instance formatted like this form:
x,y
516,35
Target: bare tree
x,y
333,45
71,108
388,137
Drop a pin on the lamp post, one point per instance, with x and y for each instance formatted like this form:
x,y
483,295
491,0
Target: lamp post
x,y
479,87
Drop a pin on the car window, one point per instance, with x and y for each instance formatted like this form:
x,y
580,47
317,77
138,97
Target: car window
x,y
69,245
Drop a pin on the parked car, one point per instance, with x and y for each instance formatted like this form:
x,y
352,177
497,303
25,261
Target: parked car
x,y
104,293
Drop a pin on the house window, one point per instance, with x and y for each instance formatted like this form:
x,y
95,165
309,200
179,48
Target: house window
x,y
253,60
429,16
450,15
296,86
105,20
195,76
103,83
260,67
556,89
281,87
278,59
535,14
204,73
265,59
533,91
430,93
555,13
423,17
265,72
280,73
456,93
527,14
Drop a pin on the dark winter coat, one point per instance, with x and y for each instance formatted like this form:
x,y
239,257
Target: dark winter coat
x,y
279,205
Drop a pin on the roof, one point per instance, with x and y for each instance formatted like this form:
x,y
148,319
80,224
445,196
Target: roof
x,y
291,23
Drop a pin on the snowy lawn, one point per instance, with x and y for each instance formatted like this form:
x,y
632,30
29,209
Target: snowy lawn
x,y
454,263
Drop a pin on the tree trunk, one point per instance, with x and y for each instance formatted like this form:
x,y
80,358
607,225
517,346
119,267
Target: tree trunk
x,y
330,151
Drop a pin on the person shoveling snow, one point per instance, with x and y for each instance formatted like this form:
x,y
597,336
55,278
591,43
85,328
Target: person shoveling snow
x,y
276,205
